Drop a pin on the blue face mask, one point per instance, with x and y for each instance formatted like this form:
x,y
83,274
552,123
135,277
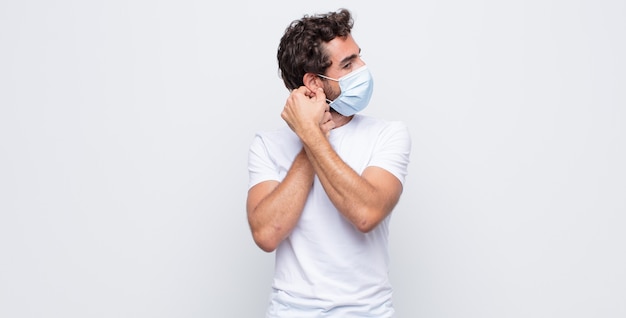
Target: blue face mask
x,y
356,91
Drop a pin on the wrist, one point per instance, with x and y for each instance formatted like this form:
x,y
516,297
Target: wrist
x,y
310,134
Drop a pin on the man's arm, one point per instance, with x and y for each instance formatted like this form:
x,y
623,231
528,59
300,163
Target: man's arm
x,y
365,200
274,208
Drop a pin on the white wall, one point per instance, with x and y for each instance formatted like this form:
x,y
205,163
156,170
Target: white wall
x,y
124,128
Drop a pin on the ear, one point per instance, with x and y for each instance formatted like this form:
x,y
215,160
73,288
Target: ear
x,y
312,81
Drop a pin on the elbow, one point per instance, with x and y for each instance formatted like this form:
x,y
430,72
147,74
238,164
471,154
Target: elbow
x,y
370,220
366,226
268,248
264,242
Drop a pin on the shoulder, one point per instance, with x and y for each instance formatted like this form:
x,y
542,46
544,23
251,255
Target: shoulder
x,y
379,125
278,144
277,133
277,136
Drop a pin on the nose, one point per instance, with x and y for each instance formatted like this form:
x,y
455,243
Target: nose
x,y
359,62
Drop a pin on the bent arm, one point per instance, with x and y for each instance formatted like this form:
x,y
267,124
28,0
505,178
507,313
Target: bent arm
x,y
365,200
274,208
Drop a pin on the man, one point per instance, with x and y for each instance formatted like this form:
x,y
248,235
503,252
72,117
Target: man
x,y
322,188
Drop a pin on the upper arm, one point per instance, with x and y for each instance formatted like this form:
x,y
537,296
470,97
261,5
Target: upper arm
x,y
388,167
387,187
258,192
387,170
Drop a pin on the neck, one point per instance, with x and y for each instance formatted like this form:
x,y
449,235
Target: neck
x,y
340,119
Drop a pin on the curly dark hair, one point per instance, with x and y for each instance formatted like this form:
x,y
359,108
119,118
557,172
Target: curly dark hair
x,y
301,51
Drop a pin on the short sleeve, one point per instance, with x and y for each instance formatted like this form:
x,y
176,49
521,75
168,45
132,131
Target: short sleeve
x,y
260,165
393,149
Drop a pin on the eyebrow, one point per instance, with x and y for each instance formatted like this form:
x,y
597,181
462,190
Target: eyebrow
x,y
349,58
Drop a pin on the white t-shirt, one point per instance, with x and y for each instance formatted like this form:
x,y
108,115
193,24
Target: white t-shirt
x,y
326,267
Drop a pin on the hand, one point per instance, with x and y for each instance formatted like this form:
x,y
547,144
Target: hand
x,y
306,110
327,124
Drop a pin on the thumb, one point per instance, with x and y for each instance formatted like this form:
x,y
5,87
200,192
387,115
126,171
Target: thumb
x,y
319,94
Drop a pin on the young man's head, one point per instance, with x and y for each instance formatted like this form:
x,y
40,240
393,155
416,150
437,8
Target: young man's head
x,y
303,48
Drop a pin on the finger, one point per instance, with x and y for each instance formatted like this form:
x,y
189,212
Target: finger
x,y
295,96
319,94
310,94
326,117
328,126
303,90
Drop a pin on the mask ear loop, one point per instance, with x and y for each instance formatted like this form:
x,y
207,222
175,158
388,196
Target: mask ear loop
x,y
332,79
326,77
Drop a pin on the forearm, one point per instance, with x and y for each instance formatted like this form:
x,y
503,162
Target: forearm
x,y
354,196
278,212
